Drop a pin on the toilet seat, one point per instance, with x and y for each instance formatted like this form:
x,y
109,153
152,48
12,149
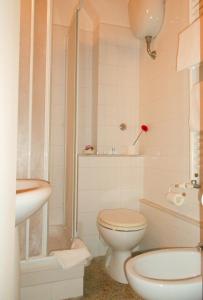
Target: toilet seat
x,y
121,219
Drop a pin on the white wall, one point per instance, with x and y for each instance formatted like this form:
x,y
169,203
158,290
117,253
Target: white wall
x,y
164,105
85,90
165,229
118,88
9,44
113,90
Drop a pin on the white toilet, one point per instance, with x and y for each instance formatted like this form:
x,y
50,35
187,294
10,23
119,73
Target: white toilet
x,y
122,229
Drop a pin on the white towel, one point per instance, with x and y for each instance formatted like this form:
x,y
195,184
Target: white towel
x,y
190,46
76,255
196,107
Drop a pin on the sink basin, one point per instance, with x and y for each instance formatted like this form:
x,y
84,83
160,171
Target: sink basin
x,y
31,195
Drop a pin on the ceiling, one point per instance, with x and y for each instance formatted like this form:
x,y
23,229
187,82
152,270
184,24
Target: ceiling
x,y
113,12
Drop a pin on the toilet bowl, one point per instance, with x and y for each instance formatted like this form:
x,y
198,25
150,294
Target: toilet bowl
x,y
167,274
122,229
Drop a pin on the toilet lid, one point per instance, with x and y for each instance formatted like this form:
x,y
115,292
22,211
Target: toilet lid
x,y
122,219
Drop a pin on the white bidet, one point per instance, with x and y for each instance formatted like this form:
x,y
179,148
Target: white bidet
x,y
168,274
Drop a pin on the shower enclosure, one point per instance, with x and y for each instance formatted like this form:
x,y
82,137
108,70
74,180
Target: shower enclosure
x,y
49,126
71,128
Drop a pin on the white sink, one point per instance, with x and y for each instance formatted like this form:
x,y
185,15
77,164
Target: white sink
x,y
31,195
168,274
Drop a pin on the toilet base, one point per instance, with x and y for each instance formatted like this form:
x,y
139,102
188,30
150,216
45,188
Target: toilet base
x,y
115,264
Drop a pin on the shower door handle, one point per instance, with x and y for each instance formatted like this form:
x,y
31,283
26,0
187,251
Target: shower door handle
x,y
201,199
200,246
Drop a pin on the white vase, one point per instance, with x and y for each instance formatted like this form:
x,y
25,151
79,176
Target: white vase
x,y
132,150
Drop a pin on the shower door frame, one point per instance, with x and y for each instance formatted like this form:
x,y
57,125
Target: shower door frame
x,y
71,198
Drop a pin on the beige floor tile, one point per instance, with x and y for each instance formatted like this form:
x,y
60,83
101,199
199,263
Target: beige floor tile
x,y
99,286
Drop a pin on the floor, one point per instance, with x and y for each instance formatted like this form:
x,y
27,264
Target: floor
x,y
99,286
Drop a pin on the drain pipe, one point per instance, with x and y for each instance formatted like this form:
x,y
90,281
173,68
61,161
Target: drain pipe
x,y
152,54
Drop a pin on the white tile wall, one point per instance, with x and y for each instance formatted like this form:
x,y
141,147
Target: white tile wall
x,y
106,182
165,230
118,59
85,116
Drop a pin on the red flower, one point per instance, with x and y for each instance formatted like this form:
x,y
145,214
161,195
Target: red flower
x,y
144,128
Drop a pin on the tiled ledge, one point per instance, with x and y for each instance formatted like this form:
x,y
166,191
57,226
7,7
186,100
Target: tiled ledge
x,y
172,213
110,155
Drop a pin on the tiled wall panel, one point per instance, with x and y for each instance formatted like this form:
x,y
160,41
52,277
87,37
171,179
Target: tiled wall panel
x,y
166,230
118,88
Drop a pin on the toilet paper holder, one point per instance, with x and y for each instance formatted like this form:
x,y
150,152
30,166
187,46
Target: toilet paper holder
x,y
175,186
175,197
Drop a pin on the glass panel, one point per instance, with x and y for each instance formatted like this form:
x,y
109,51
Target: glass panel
x,y
31,113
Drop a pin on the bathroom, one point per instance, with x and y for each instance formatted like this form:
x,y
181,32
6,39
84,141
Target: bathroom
x,y
88,50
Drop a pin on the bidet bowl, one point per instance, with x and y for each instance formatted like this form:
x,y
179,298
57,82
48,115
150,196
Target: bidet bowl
x,y
169,274
31,195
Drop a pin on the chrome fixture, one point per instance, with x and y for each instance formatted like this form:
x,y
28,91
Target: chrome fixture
x,y
195,184
152,54
200,246
123,126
